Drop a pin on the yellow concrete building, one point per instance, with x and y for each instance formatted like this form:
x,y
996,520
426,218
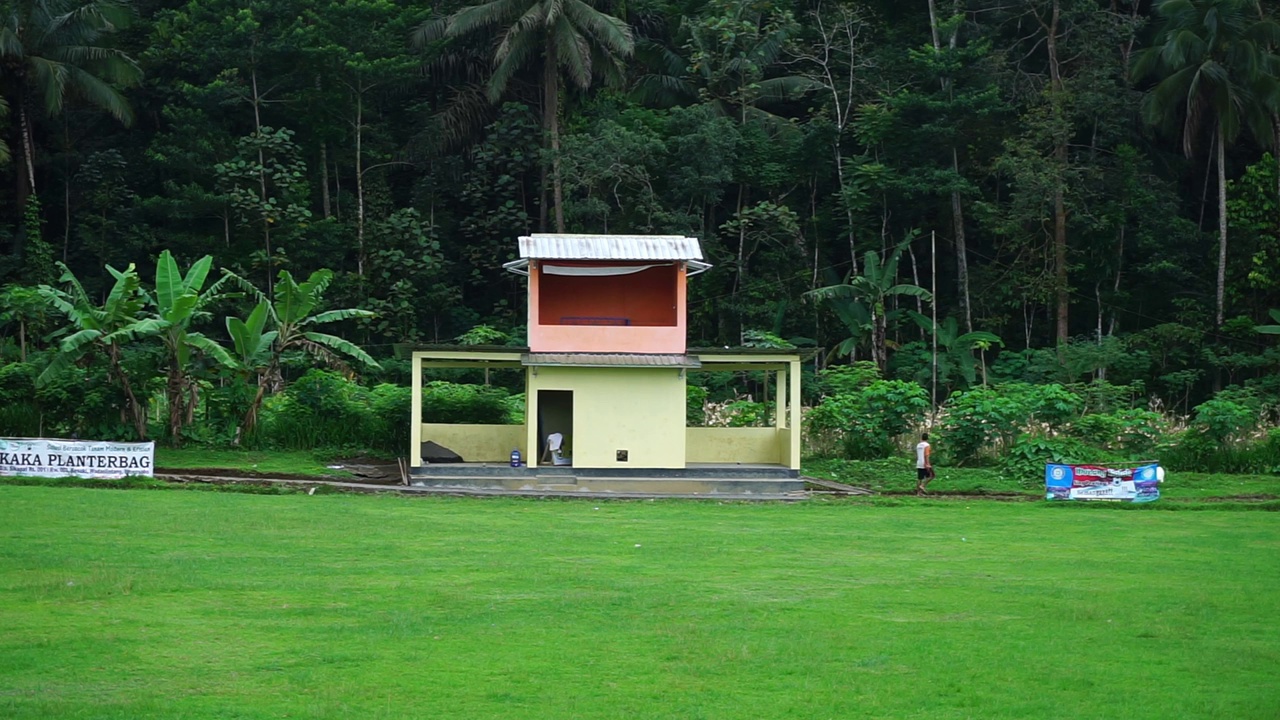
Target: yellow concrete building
x,y
605,385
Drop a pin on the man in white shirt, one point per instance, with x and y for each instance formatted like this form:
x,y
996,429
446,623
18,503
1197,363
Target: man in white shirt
x,y
924,464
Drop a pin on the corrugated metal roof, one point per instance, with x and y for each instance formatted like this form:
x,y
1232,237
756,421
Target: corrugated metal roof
x,y
610,360
551,246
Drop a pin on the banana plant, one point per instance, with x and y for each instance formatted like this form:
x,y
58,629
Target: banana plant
x,y
872,289
179,301
1271,329
290,314
958,348
251,344
104,328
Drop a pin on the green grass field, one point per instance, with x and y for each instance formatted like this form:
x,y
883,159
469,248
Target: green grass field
x,y
898,475
262,462
133,604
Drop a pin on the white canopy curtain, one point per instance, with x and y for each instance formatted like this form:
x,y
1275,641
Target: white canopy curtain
x,y
521,267
596,271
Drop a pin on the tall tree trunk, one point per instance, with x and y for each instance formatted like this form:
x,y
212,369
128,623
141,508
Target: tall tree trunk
x,y
551,122
1115,288
25,177
957,207
1222,226
933,25
1275,148
262,178
1060,259
962,251
28,153
325,205
1063,299
359,187
66,189
878,331
136,411
250,419
324,165
848,210
174,388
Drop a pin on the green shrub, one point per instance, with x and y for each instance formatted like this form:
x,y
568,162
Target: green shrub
x,y
695,405
1025,458
866,422
746,413
1053,404
847,379
1132,431
446,402
515,409
320,409
975,420
391,407
1102,397
20,414
1222,420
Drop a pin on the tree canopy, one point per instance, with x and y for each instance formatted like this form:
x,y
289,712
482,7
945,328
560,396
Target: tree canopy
x,y
1053,164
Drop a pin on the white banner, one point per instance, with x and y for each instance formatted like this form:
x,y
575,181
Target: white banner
x,y
78,458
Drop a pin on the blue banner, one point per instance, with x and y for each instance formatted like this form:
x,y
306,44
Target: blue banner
x,y
1094,482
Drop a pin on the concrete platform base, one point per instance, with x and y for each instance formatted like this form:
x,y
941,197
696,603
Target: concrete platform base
x,y
713,481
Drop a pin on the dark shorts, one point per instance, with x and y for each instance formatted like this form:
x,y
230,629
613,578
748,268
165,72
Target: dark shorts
x,y
924,473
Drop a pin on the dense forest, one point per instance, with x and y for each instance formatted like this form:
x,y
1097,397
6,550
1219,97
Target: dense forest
x,y
1081,189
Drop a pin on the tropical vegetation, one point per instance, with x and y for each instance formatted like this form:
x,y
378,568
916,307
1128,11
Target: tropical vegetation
x,y
203,202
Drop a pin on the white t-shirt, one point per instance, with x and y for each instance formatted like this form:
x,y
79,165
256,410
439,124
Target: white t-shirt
x,y
920,463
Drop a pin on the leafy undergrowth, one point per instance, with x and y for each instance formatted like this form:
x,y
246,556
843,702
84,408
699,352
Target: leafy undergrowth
x,y
898,475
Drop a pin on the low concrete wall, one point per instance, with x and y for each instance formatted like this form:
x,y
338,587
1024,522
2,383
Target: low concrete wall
x,y
735,445
478,443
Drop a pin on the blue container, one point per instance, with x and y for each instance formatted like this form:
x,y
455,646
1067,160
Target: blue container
x,y
515,458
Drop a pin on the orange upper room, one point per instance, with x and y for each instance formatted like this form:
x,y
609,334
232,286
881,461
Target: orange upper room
x,y
607,293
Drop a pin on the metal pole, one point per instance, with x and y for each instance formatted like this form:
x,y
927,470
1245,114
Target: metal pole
x,y
933,288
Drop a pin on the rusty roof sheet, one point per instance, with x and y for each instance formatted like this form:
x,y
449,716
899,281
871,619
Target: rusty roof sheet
x,y
552,246
535,359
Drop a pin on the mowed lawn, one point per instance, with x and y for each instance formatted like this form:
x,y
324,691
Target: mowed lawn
x,y
152,604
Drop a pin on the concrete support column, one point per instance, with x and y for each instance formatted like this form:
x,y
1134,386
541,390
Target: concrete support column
x,y
780,412
415,414
531,443
795,415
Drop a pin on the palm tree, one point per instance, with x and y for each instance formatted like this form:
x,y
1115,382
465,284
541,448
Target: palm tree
x,y
569,36
872,289
726,71
48,51
1215,67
